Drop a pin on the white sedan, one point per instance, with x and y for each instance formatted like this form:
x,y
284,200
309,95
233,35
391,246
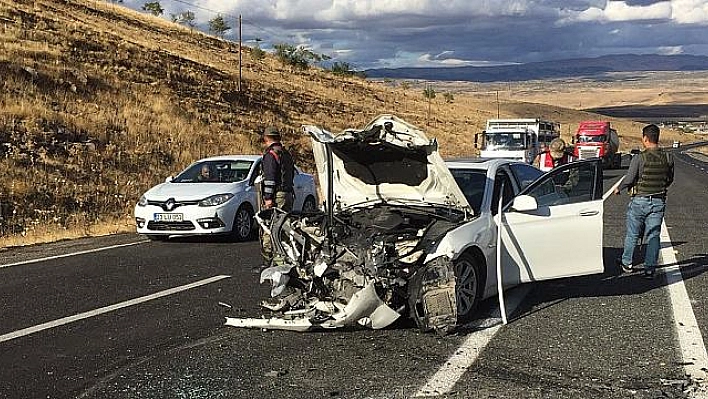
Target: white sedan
x,y
406,234
543,215
216,195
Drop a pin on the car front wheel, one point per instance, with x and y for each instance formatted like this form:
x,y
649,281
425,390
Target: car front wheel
x,y
242,229
467,287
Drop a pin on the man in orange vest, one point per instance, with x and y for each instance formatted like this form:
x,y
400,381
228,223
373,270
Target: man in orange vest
x,y
555,155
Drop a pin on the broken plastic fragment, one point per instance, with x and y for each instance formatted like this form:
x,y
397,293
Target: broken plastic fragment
x,y
278,276
365,308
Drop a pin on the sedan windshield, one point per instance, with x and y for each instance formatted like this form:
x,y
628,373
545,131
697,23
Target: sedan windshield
x,y
472,183
226,171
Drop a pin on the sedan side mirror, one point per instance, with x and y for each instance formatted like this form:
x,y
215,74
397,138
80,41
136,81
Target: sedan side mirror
x,y
524,203
169,179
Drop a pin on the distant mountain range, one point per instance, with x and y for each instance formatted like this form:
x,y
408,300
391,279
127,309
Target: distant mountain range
x,y
549,69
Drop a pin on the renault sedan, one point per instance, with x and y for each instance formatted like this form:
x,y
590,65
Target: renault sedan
x,y
216,195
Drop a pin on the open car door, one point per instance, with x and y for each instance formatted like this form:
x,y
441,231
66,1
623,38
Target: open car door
x,y
553,228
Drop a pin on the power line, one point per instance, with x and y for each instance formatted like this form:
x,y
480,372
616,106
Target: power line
x,y
248,22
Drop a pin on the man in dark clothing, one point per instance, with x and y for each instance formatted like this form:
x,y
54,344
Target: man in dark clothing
x,y
278,175
647,180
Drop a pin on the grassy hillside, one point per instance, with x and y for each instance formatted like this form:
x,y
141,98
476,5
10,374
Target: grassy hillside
x,y
99,102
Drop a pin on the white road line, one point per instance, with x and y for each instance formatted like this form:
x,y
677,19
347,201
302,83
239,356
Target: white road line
x,y
88,251
693,348
448,375
106,309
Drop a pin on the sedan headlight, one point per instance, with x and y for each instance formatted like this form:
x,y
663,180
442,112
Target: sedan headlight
x,y
215,200
142,201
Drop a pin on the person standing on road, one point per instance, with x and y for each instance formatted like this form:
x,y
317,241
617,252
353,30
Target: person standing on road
x,y
278,175
649,176
554,156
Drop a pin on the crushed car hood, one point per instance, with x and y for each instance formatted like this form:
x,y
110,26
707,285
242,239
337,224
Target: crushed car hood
x,y
388,160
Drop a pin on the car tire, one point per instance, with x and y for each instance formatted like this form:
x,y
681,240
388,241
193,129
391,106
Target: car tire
x,y
309,204
468,287
242,228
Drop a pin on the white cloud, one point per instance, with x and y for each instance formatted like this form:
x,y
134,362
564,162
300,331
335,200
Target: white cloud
x,y
428,60
398,33
616,11
348,11
670,50
689,11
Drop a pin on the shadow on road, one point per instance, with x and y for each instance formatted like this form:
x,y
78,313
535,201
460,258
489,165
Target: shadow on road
x,y
613,282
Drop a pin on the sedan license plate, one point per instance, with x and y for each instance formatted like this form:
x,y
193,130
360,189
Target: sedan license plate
x,y
168,217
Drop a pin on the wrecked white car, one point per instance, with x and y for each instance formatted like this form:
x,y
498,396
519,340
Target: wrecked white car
x,y
399,236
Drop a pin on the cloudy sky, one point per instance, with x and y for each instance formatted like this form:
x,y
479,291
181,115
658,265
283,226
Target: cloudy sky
x,y
415,33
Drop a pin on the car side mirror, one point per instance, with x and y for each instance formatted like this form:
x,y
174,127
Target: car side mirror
x,y
169,179
524,203
257,179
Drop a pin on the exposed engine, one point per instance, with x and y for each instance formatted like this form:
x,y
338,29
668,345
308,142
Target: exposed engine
x,y
371,257
363,265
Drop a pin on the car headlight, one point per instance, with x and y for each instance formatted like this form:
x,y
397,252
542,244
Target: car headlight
x,y
215,200
142,201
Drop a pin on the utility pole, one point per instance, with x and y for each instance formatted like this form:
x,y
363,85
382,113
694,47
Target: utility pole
x,y
497,104
239,52
427,94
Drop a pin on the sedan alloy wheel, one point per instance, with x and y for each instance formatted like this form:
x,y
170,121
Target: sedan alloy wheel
x,y
243,224
467,287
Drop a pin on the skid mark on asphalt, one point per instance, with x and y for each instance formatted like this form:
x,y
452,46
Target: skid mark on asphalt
x,y
88,251
693,348
91,313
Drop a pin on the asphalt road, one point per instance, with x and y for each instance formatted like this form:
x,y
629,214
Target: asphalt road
x,y
601,336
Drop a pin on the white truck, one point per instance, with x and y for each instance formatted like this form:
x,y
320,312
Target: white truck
x,y
518,139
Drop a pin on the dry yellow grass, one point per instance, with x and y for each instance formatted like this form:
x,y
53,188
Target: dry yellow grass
x,y
99,102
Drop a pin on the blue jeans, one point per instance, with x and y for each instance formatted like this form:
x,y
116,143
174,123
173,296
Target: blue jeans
x,y
644,216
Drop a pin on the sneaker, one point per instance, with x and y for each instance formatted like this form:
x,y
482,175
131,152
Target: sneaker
x,y
625,268
649,274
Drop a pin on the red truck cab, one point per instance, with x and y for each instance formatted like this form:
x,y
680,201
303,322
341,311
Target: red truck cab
x,y
597,139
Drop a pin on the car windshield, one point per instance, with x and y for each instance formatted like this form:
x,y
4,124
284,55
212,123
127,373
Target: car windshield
x,y
509,141
472,183
525,174
225,171
591,139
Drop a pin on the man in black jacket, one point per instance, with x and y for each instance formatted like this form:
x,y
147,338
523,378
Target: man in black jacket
x,y
649,176
278,174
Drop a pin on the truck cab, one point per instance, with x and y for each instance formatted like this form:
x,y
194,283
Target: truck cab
x,y
597,139
516,139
